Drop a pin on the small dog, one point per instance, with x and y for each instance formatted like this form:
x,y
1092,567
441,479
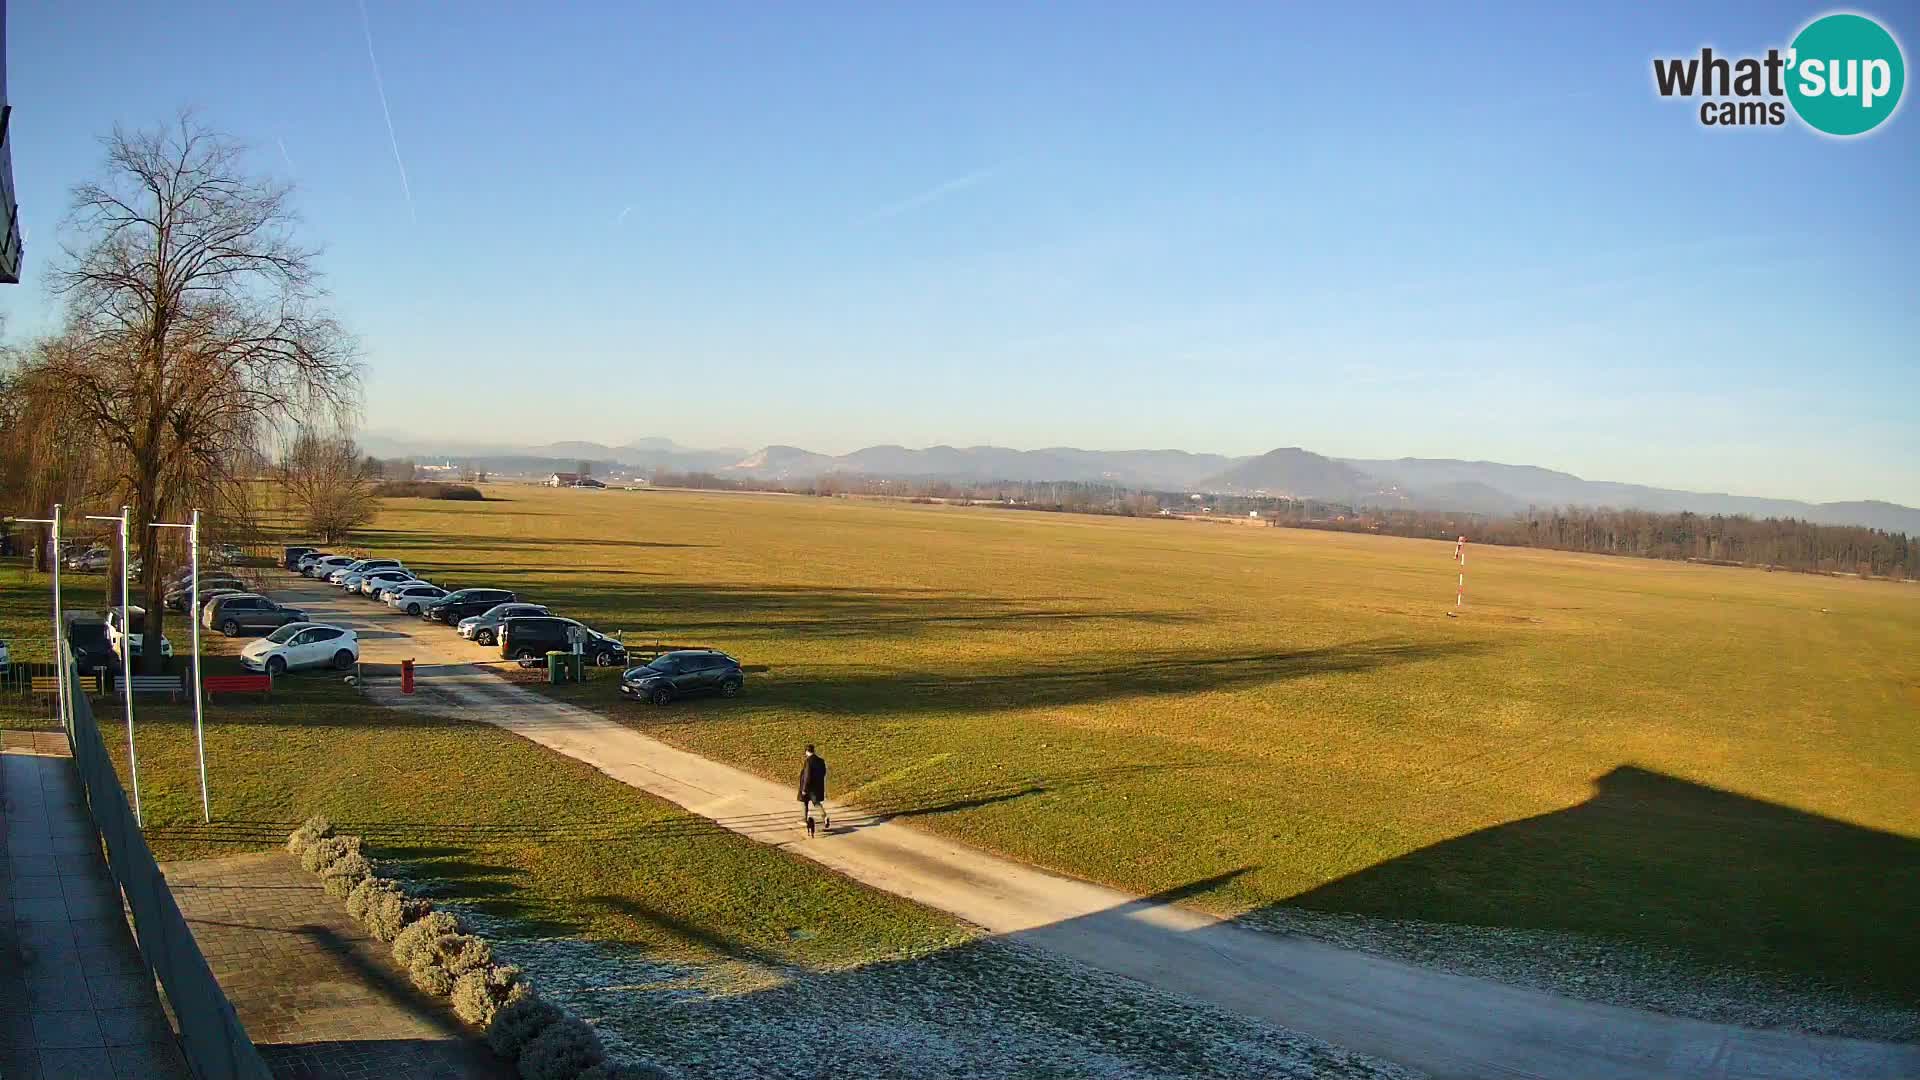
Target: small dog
x,y
809,826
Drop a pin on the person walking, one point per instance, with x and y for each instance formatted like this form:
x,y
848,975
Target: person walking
x,y
813,788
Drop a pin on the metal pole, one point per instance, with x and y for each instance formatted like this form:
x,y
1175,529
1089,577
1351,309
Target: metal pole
x,y
199,727
126,656
59,628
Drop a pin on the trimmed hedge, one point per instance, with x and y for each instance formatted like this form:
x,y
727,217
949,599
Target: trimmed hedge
x,y
443,959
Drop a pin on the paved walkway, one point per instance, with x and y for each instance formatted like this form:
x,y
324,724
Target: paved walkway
x,y
75,1001
1446,1025
320,998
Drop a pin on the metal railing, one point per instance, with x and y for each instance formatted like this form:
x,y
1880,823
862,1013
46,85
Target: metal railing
x,y
215,1043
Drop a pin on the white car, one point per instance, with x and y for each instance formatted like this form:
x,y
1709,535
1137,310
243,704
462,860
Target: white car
x,y
302,645
349,577
320,568
372,583
414,596
91,559
137,616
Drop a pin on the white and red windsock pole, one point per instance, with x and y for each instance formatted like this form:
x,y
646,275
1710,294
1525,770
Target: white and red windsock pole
x,y
1460,556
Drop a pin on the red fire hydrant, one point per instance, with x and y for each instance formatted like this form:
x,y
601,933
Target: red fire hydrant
x,y
406,676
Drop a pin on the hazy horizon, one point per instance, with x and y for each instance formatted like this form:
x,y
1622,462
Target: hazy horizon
x,y
1064,226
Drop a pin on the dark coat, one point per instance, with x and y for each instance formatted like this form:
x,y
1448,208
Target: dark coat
x,y
813,779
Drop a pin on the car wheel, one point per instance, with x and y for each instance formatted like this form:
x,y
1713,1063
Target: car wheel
x,y
484,637
276,665
730,687
230,628
604,659
527,657
343,660
413,609
663,695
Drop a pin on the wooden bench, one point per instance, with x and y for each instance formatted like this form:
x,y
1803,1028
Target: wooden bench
x,y
237,684
170,685
46,685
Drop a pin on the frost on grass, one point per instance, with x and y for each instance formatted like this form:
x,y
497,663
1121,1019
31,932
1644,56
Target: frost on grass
x,y
1616,973
980,1010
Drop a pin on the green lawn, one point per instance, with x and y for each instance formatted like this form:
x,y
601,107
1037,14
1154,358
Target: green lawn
x,y
1717,761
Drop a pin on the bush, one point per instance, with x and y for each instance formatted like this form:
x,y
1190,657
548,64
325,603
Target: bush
x,y
517,1023
420,935
463,953
345,874
426,489
314,828
326,851
363,893
562,1051
390,912
626,1070
429,975
481,993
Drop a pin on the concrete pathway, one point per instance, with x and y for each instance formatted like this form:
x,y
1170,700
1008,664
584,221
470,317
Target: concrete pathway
x,y
1446,1025
75,1000
321,998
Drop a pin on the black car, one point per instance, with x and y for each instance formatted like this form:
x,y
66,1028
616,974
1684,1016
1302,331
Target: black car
x,y
87,637
292,558
530,639
459,604
179,596
678,674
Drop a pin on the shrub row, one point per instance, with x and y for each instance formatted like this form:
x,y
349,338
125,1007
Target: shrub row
x,y
443,958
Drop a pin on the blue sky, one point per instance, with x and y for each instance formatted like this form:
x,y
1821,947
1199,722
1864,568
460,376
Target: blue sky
x,y
1368,231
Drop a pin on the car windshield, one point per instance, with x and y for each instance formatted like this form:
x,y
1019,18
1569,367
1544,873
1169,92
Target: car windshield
x,y
285,633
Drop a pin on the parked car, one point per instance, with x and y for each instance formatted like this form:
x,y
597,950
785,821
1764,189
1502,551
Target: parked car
x,y
302,645
383,591
87,638
484,628
681,673
413,597
179,596
91,559
369,583
363,566
306,561
6,659
460,603
208,596
229,553
291,559
248,611
321,567
530,639
136,617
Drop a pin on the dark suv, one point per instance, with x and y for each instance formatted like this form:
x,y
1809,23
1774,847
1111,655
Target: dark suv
x,y
235,612
87,636
457,605
484,628
530,639
678,674
181,595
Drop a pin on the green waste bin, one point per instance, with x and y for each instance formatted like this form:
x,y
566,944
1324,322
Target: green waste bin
x,y
559,666
576,667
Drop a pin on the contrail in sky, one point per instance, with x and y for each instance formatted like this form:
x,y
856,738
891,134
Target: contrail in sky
x,y
623,216
281,143
392,139
933,194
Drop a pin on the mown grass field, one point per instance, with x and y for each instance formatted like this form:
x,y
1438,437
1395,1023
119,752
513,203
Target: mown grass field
x,y
1719,762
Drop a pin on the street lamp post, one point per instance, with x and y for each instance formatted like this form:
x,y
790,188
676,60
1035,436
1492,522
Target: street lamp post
x,y
126,656
59,653
193,612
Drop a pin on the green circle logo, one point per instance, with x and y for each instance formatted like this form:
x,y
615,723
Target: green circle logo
x,y
1845,74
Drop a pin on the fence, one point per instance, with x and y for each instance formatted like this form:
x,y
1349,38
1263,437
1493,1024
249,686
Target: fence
x,y
216,1046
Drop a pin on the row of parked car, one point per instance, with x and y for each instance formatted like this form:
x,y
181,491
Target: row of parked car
x,y
522,630
234,607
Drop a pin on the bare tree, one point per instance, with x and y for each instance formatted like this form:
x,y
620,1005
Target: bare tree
x,y
327,481
193,319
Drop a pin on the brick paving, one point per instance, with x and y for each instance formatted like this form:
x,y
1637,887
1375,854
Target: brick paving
x,y
75,999
319,996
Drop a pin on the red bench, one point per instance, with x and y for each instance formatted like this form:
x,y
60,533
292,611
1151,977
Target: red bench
x,y
237,684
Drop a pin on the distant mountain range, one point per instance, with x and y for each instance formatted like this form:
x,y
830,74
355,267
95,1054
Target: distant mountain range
x,y
1484,487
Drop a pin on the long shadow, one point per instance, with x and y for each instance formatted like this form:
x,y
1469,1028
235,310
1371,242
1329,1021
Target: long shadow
x,y
1667,864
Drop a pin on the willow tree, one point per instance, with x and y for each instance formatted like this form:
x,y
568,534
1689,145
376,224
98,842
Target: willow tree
x,y
195,326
